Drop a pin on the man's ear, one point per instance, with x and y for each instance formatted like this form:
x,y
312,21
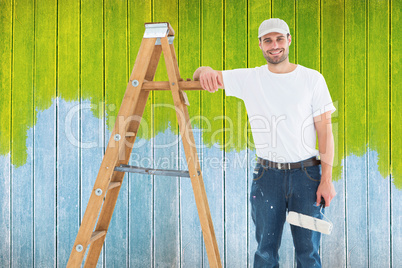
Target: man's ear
x,y
290,39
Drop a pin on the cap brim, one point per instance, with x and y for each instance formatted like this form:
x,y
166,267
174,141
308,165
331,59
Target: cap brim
x,y
274,30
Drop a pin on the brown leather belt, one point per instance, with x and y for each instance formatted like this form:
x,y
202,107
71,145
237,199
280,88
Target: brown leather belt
x,y
313,161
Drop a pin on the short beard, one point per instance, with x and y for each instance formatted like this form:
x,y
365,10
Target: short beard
x,y
270,60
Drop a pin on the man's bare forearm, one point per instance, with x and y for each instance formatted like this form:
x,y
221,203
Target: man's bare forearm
x,y
196,75
326,148
210,79
325,144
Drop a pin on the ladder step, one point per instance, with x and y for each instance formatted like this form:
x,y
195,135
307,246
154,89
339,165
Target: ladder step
x,y
165,85
151,171
114,184
96,235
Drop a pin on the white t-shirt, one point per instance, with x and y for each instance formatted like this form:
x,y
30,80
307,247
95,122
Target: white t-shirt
x,y
280,109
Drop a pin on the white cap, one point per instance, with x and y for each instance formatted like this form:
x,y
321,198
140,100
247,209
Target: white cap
x,y
273,26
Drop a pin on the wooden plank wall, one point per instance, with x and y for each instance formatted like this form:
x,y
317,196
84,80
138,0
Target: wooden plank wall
x,y
64,66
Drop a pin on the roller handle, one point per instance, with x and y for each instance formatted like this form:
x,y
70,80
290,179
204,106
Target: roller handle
x,y
322,203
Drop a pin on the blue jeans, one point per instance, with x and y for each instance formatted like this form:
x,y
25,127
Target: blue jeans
x,y
272,192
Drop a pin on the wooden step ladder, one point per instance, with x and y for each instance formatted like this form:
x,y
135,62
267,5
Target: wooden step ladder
x,y
158,37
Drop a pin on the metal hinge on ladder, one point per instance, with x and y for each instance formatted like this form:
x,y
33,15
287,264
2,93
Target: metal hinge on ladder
x,y
153,30
158,30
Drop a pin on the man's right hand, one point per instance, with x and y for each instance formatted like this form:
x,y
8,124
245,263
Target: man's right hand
x,y
210,79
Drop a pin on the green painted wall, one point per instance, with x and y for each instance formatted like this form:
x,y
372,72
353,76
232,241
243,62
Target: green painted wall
x,y
61,50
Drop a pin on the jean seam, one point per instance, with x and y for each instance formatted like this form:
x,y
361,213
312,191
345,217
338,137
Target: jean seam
x,y
259,176
305,171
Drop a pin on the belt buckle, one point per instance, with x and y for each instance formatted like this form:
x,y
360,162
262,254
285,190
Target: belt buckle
x,y
280,166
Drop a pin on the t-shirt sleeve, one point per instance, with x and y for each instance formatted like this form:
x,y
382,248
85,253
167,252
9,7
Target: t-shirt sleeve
x,y
234,81
322,101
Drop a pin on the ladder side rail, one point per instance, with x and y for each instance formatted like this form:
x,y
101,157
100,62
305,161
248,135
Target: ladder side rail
x,y
175,63
192,158
132,126
107,209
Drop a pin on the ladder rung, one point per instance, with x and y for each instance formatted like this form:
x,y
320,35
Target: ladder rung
x,y
164,85
151,171
130,134
96,235
114,184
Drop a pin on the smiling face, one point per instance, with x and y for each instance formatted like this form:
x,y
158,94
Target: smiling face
x,y
275,47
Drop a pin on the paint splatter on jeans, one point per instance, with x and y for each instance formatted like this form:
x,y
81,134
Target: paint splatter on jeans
x,y
274,191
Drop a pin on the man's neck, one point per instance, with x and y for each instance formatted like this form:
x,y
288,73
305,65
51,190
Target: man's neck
x,y
282,68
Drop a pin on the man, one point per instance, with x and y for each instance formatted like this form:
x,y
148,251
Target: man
x,y
287,104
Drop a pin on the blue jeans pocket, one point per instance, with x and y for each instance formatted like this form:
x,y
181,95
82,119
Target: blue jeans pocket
x,y
313,173
258,172
255,192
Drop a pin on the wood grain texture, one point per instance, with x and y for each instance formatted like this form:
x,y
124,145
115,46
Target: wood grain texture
x,y
69,202
140,208
68,131
308,35
22,78
396,83
396,129
285,10
212,111
117,72
140,187
332,67
22,213
236,190
355,136
6,43
378,134
189,37
166,189
53,57
6,39
44,155
5,210
93,108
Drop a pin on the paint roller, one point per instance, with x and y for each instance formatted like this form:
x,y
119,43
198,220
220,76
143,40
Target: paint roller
x,y
309,222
